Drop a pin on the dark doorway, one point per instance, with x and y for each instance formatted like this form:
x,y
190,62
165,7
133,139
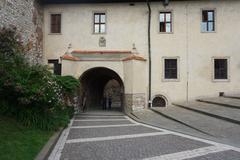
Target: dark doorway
x,y
159,102
96,82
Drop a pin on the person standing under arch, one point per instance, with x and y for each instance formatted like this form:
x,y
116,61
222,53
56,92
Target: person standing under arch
x,y
84,102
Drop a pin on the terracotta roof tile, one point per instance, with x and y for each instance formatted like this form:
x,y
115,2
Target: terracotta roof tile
x,y
69,57
134,57
101,52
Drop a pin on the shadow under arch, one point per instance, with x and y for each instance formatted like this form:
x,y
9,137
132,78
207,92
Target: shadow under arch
x,y
93,83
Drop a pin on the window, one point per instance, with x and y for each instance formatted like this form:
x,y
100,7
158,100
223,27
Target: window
x,y
220,69
55,23
159,101
165,22
55,66
99,23
208,21
170,69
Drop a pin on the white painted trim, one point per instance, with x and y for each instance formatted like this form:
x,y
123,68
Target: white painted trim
x,y
57,151
189,153
97,120
97,116
193,138
104,126
81,140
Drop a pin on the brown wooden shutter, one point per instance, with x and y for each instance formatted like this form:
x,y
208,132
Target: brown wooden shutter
x,y
56,23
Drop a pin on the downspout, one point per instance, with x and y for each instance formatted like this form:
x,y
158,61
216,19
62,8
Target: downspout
x,y
149,56
187,53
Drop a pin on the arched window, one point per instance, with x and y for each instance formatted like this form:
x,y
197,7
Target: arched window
x,y
159,102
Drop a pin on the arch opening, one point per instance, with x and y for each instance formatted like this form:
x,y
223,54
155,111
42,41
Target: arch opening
x,y
102,85
159,101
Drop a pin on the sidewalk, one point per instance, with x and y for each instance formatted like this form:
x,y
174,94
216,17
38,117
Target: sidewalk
x,y
191,123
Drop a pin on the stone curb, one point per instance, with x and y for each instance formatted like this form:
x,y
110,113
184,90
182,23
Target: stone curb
x,y
233,97
220,104
49,146
209,114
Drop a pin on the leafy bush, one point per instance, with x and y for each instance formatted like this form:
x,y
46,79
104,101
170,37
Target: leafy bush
x,y
31,93
69,88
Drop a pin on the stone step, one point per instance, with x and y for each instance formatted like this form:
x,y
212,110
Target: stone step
x,y
235,96
224,113
223,101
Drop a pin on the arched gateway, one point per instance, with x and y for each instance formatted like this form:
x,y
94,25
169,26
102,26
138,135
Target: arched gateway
x,y
120,75
100,82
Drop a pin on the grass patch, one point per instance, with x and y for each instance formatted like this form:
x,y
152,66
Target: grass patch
x,y
18,142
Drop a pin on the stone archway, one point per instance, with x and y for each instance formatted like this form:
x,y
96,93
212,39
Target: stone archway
x,y
97,80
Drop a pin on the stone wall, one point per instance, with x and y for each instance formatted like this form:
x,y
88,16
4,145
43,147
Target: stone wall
x,y
134,102
27,17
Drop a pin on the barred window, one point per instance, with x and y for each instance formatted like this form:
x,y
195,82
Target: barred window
x,y
220,69
170,69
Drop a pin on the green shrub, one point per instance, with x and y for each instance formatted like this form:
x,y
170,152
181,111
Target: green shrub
x,y
69,84
31,93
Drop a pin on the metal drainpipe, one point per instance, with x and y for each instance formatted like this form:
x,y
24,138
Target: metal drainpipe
x,y
149,55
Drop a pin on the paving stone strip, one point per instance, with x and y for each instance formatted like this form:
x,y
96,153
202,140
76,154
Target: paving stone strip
x,y
110,138
86,120
101,117
190,153
104,126
115,137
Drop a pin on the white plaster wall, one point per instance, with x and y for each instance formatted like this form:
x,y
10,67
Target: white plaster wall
x,y
128,24
77,68
77,28
128,76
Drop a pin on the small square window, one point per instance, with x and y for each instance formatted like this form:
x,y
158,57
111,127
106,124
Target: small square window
x,y
170,69
220,69
165,19
55,23
208,21
99,23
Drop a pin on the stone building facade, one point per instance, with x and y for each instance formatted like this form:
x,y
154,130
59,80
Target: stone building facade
x,y
194,46
27,17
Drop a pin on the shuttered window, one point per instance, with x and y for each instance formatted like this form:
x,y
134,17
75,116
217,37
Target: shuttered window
x,y
55,23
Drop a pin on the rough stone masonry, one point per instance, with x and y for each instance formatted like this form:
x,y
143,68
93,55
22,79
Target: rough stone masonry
x,y
27,17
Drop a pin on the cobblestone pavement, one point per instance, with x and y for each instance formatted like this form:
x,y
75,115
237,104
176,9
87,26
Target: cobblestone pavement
x,y
117,137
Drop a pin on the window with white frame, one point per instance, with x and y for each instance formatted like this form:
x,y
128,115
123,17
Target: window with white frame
x,y
170,68
220,69
165,19
208,21
99,22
